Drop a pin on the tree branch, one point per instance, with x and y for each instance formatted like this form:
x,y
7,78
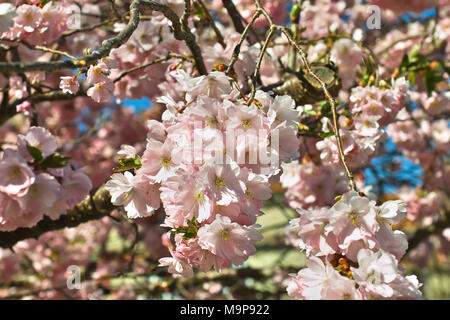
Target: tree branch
x,y
212,23
93,207
234,14
8,111
104,51
181,30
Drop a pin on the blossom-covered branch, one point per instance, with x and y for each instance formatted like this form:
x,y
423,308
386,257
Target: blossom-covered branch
x,y
104,50
147,138
94,207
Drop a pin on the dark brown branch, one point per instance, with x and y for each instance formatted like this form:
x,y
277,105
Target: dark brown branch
x,y
56,95
234,14
181,30
104,51
92,208
210,19
8,111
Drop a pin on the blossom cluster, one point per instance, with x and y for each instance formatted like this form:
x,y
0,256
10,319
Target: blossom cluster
x,y
401,6
421,205
315,182
277,10
36,181
211,156
34,24
151,40
372,108
209,163
353,251
414,132
311,185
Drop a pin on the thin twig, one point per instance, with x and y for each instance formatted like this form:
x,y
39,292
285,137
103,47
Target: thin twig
x,y
258,65
38,47
156,61
332,103
181,30
212,23
306,64
237,48
104,51
234,14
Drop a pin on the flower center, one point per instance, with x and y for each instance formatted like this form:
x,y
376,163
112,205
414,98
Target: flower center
x,y
225,235
219,182
246,123
199,197
15,172
353,217
165,162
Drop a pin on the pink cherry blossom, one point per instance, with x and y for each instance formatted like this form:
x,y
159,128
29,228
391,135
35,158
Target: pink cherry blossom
x,y
75,185
16,176
28,17
101,92
39,138
404,6
310,282
228,239
41,195
9,264
69,85
135,193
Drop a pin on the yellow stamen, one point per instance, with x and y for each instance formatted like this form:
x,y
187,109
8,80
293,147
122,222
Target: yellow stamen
x,y
199,196
219,182
225,235
15,172
165,162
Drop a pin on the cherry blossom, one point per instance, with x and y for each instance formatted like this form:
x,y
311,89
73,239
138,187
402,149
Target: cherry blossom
x,y
134,139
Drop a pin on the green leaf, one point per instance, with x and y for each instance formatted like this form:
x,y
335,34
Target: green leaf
x,y
55,161
35,153
432,78
370,69
324,135
330,128
128,164
302,127
412,78
189,232
178,230
311,112
325,107
44,2
291,33
414,53
404,64
295,12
